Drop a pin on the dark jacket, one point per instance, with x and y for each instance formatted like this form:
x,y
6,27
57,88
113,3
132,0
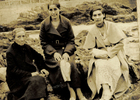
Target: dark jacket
x,y
57,40
20,64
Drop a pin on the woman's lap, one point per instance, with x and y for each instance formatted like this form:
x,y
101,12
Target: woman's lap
x,y
107,71
31,87
56,78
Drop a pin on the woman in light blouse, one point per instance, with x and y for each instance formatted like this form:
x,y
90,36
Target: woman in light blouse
x,y
108,68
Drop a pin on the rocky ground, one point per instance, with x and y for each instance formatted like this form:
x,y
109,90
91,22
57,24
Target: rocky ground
x,y
82,58
30,15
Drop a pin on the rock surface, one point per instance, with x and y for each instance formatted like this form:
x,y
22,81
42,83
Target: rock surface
x,y
82,59
79,14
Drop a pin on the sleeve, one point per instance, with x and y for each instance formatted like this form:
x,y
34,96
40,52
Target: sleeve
x,y
90,41
38,59
13,69
97,53
49,50
114,50
70,46
115,31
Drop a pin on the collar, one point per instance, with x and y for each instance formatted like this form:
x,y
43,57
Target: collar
x,y
47,22
97,35
18,47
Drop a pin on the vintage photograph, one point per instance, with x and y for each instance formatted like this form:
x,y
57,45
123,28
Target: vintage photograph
x,y
69,50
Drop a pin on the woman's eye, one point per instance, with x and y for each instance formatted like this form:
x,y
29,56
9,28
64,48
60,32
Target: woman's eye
x,y
94,15
99,14
55,9
50,9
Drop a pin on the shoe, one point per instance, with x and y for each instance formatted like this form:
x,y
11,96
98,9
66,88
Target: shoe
x,y
42,99
106,97
83,98
72,98
101,99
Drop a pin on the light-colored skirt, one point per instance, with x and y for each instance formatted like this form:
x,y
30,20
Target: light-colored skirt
x,y
107,71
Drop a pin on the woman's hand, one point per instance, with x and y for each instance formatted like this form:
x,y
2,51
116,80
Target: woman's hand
x,y
105,56
42,75
57,56
34,73
44,72
66,56
99,54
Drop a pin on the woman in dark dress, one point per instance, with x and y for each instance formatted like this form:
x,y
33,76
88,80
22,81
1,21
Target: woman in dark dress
x,y
57,40
24,81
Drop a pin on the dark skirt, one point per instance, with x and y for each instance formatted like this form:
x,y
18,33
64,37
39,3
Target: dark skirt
x,y
28,88
56,78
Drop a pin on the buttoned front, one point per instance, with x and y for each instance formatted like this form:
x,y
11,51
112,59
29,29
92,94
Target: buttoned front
x,y
60,40
57,40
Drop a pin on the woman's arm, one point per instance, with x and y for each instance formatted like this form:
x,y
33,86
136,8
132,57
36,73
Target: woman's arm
x,y
38,59
90,41
13,69
114,50
70,47
99,53
103,54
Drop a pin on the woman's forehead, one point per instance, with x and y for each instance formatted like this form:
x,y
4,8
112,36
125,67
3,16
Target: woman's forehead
x,y
20,33
97,12
52,6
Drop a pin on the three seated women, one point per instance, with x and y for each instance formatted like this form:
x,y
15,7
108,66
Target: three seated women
x,y
108,68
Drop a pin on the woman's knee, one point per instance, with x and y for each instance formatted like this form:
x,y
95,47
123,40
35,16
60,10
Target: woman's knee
x,y
37,79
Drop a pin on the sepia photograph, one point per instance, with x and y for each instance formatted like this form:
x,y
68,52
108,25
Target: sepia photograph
x,y
69,49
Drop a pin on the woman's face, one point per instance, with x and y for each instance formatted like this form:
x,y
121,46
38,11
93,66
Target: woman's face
x,y
20,38
54,12
98,17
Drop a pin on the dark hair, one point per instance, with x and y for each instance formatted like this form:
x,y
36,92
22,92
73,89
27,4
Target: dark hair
x,y
95,8
54,3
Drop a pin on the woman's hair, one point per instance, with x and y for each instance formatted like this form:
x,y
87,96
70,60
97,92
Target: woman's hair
x,y
54,2
16,30
95,8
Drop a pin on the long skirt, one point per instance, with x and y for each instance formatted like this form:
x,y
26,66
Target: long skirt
x,y
108,71
55,74
31,88
57,80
